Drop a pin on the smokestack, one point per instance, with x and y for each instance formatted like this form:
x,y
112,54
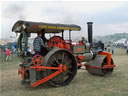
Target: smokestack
x,y
90,31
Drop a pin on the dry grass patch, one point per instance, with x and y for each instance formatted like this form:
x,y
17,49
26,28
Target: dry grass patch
x,y
84,84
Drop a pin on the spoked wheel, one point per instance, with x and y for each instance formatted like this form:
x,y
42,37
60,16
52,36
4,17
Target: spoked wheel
x,y
60,56
37,60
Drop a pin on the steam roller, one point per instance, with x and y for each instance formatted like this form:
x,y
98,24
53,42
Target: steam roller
x,y
60,59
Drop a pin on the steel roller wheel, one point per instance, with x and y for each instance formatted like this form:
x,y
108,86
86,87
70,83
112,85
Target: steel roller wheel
x,y
61,56
101,72
109,71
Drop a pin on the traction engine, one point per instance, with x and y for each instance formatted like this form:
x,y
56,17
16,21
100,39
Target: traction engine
x,y
59,62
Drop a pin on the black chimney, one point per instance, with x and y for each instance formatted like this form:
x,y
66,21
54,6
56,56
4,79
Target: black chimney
x,y
90,31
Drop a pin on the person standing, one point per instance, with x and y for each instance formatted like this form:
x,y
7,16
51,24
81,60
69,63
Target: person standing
x,y
43,37
8,53
38,43
105,48
84,40
112,50
109,48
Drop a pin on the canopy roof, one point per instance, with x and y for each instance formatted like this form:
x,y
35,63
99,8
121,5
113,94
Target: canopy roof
x,y
34,27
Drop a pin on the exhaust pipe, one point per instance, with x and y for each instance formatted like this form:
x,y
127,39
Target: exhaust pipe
x,y
90,32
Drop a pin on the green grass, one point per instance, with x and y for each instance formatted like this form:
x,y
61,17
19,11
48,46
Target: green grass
x,y
83,84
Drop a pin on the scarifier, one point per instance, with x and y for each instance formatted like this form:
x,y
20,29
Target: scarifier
x,y
62,58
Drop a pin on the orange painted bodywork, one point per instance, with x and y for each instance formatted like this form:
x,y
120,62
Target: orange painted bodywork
x,y
45,79
22,72
59,69
44,67
108,56
37,60
57,41
79,49
81,57
109,65
105,67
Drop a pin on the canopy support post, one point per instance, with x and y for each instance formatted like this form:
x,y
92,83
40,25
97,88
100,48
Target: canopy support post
x,y
70,36
62,34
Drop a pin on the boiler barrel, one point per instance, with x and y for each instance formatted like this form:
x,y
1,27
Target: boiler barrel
x,y
88,56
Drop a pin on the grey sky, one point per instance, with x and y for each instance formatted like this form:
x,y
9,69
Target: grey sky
x,y
108,17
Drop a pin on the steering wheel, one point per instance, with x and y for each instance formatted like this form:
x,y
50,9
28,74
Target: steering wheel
x,y
22,43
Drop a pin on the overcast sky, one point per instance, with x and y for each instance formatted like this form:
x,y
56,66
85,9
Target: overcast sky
x,y
108,17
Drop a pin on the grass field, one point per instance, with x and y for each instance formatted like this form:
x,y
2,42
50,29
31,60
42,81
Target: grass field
x,y
83,84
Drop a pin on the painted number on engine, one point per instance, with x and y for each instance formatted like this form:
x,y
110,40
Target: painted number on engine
x,y
79,49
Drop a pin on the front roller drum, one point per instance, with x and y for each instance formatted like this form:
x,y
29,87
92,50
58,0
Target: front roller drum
x,y
99,62
56,57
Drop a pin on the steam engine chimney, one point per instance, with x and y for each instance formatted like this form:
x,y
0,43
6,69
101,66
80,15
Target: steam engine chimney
x,y
90,31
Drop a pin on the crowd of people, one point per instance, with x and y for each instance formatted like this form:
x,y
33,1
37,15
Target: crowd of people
x,y
108,48
122,46
111,48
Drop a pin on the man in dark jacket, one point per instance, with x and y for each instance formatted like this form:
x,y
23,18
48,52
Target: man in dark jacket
x,y
44,38
38,43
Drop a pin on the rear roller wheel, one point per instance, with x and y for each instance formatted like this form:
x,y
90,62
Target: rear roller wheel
x,y
60,56
101,72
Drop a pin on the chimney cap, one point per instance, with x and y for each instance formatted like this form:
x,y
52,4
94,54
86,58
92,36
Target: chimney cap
x,y
89,22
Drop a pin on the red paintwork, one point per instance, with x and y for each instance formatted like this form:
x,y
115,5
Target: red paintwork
x,y
81,43
109,65
36,26
79,49
105,67
44,67
37,60
22,72
81,57
108,57
57,41
60,69
45,79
